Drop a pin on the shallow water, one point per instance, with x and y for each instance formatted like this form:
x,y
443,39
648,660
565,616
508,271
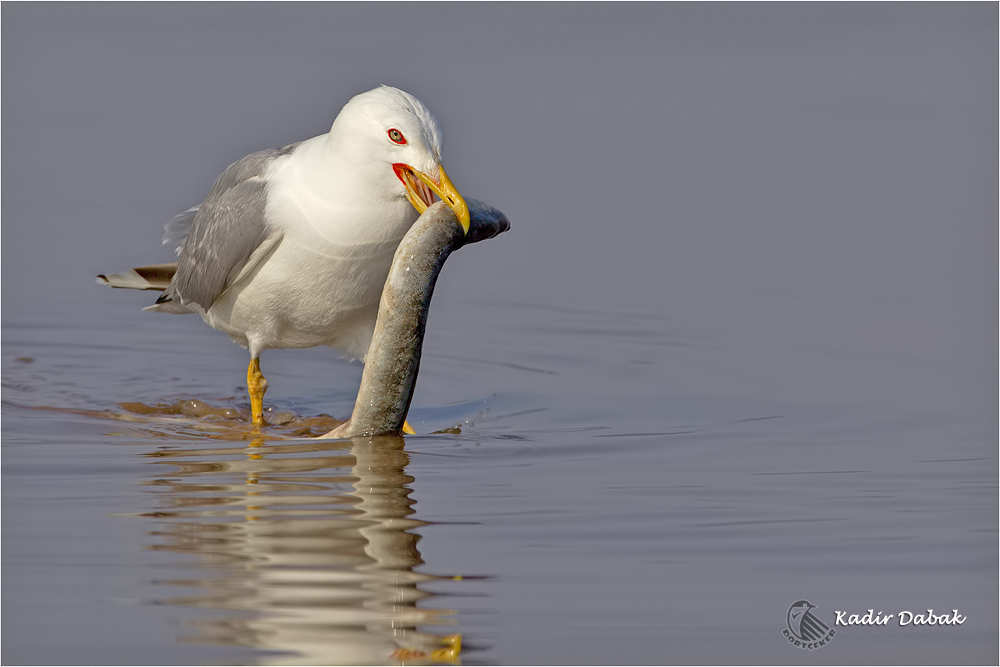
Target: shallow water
x,y
756,365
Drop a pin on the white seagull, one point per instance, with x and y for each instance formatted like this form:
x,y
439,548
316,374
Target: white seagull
x,y
292,246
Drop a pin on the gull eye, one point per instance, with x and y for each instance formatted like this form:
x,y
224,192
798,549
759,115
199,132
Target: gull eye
x,y
396,136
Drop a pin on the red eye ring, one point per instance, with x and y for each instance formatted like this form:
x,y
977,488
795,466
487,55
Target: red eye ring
x,y
396,137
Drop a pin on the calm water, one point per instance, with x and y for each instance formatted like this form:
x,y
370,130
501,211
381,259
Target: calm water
x,y
739,348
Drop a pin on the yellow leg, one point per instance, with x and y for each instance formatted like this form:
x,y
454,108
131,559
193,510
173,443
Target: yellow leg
x,y
449,655
256,386
407,429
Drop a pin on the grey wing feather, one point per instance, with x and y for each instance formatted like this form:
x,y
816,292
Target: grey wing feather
x,y
223,232
177,229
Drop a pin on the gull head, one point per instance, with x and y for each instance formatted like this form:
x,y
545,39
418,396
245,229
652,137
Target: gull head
x,y
396,140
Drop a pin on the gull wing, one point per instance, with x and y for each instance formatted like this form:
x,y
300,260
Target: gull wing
x,y
226,236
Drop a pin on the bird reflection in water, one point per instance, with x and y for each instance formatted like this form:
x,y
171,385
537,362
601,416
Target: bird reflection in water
x,y
314,539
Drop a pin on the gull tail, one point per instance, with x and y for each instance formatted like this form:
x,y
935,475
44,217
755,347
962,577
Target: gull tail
x,y
155,277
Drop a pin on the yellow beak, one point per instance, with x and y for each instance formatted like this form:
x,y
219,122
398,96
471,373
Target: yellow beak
x,y
419,186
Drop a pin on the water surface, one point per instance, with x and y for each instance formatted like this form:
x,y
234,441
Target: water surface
x,y
738,349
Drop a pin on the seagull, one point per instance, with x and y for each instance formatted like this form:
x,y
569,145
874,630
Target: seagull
x,y
292,246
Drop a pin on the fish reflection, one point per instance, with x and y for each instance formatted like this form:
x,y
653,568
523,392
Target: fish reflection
x,y
313,540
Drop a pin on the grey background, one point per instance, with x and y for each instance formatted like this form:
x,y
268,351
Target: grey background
x,y
675,158
721,212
